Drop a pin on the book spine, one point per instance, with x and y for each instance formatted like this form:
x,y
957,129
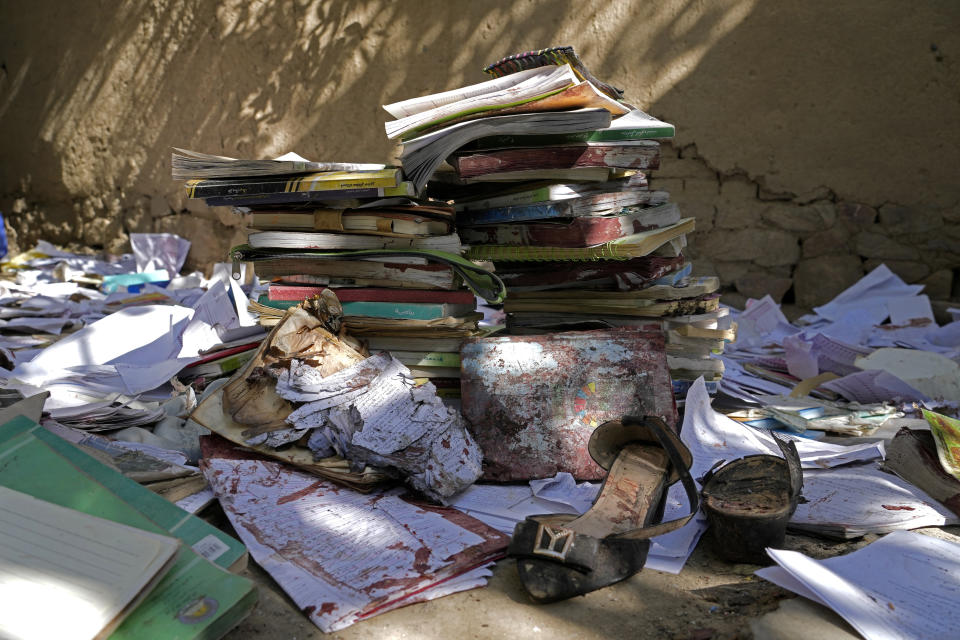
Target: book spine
x,y
611,135
404,189
632,157
580,232
495,253
405,310
519,213
282,220
427,358
283,293
598,203
434,372
340,273
283,305
542,194
306,183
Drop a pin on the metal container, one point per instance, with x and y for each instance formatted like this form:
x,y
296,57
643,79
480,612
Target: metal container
x,y
532,402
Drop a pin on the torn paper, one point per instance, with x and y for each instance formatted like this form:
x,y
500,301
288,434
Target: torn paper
x,y
374,413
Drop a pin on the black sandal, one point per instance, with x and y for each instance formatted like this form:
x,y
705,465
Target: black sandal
x,y
560,556
749,502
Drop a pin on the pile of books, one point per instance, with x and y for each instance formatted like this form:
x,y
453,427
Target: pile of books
x,y
393,261
566,215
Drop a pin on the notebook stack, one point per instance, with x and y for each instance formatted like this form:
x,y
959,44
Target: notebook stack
x,y
567,217
118,558
393,261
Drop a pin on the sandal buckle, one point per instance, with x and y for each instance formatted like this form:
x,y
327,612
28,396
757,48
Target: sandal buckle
x,y
553,543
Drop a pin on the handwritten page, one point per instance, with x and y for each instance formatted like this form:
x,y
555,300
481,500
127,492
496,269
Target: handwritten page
x,y
343,555
906,585
89,569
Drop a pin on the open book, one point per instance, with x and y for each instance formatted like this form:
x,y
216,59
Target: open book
x,y
343,556
550,88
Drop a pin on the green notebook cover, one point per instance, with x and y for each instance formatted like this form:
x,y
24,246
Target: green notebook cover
x,y
196,599
427,358
392,310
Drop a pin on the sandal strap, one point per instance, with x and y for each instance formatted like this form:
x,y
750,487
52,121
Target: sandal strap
x,y
658,428
789,450
537,540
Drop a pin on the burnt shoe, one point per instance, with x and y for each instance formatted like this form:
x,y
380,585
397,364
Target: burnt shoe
x,y
749,502
560,556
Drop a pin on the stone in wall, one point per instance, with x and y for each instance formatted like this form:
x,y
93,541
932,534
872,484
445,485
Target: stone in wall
x,y
793,217
910,270
765,247
938,285
756,284
696,199
819,280
835,241
856,215
871,244
898,219
731,271
737,206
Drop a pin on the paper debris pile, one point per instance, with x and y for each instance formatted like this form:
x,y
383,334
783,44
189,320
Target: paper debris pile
x,y
308,388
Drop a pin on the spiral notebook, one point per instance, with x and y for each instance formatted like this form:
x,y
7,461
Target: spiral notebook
x,y
632,246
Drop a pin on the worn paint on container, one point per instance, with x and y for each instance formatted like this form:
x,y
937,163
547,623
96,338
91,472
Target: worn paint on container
x,y
532,401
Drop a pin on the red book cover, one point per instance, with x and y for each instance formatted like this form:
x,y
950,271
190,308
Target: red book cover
x,y
614,155
282,293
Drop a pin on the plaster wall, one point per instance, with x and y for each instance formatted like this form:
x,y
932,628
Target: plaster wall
x,y
815,139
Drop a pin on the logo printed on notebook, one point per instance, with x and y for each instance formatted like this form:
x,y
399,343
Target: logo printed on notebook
x,y
556,544
197,611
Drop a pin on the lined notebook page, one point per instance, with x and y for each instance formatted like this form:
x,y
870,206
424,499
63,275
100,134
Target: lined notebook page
x,y
68,575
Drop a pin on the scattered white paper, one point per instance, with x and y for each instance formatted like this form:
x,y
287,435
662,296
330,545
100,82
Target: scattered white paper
x,y
905,585
159,251
881,283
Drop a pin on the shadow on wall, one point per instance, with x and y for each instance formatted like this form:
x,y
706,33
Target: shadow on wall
x,y
88,120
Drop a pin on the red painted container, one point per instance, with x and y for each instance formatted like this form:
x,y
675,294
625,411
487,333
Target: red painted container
x,y
532,401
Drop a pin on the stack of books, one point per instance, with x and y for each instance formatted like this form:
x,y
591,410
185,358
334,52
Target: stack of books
x,y
393,261
566,215
118,558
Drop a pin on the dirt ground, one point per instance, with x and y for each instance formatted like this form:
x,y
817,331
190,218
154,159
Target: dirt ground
x,y
709,599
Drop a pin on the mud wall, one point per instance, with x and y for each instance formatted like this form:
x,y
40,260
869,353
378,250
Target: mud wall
x,y
814,140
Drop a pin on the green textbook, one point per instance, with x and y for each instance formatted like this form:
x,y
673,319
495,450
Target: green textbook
x,y
196,598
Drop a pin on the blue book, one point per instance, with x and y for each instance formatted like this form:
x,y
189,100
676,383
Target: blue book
x,y
610,203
